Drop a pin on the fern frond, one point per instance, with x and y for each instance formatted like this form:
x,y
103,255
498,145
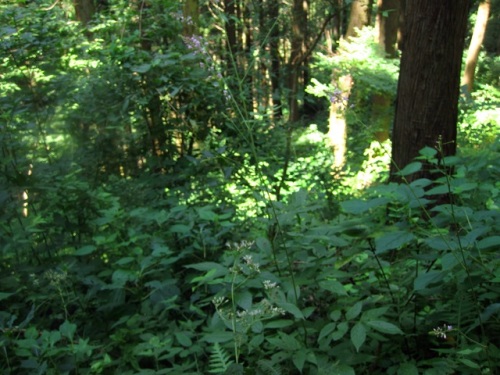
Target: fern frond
x,y
268,367
220,360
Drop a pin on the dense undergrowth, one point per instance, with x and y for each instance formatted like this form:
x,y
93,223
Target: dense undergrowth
x,y
229,257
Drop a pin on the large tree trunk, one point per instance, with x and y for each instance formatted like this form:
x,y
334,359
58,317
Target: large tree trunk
x,y
429,80
483,14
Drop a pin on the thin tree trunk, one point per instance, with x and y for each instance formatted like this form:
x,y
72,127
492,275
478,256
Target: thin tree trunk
x,y
337,125
388,25
191,14
274,38
298,50
230,12
84,10
360,16
483,14
429,81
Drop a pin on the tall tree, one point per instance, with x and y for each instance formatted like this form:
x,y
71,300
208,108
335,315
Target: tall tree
x,y
275,73
429,80
191,14
388,25
84,10
360,16
297,54
483,14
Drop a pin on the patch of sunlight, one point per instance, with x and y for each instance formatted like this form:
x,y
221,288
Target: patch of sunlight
x,y
374,169
311,135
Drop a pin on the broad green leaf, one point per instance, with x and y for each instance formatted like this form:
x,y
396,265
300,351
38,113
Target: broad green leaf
x,y
281,323
375,313
244,299
219,336
354,311
358,335
180,228
218,269
183,339
469,351
486,243
85,250
120,277
464,187
342,370
448,261
489,311
442,243
333,286
326,330
144,68
342,329
469,363
207,214
263,245
438,190
428,152
160,250
5,295
425,279
258,327
410,169
392,240
125,260
292,309
384,327
354,206
407,369
299,358
307,311
68,330
285,342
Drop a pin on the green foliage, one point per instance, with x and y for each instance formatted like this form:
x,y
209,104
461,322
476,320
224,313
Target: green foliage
x,y
219,252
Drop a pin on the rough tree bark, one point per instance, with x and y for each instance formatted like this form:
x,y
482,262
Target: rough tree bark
x,y
483,14
429,81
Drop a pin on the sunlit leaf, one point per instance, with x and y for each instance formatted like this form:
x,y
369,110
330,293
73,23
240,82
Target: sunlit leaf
x,y
410,169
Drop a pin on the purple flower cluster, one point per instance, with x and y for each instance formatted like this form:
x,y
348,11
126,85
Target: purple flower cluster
x,y
195,44
198,46
336,97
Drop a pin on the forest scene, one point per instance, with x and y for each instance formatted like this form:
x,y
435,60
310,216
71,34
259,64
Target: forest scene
x,y
249,187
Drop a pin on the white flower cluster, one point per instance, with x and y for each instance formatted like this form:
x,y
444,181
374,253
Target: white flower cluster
x,y
442,331
240,246
268,284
